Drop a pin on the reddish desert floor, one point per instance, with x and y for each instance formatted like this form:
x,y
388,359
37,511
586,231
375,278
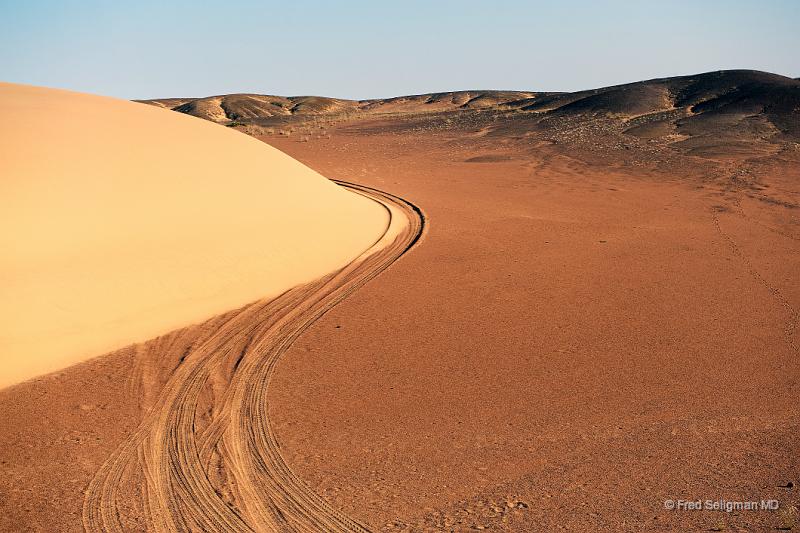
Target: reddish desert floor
x,y
591,323
569,347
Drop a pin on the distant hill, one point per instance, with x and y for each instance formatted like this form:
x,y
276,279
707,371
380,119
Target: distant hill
x,y
244,107
746,103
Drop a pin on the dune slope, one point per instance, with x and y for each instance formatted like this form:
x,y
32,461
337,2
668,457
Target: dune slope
x,y
124,221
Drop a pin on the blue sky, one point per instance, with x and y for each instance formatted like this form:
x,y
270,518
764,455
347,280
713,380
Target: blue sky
x,y
356,49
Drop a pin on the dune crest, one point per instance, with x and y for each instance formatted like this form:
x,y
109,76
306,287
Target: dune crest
x,y
124,221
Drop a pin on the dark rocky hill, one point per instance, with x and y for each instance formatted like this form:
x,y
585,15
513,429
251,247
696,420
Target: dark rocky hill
x,y
747,111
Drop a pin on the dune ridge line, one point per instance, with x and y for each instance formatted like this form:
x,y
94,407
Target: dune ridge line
x,y
224,471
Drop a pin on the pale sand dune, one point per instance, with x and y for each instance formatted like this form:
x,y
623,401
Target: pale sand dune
x,y
123,221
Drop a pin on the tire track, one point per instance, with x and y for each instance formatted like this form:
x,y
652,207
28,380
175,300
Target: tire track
x,y
204,457
792,316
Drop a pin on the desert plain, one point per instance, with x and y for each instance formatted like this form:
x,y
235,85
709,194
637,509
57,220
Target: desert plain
x,y
516,311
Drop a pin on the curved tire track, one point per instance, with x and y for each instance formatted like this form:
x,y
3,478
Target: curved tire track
x,y
204,457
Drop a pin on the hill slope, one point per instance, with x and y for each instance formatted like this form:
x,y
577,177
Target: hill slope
x,y
741,105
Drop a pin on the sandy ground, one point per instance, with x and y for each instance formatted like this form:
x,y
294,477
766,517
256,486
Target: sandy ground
x,y
123,221
571,343
569,347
